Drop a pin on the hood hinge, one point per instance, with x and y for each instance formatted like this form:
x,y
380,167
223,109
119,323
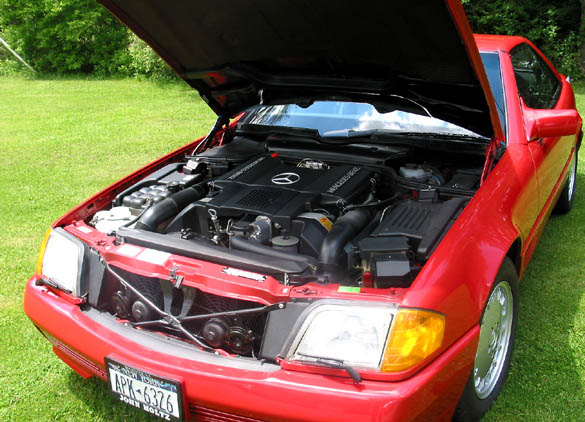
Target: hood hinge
x,y
219,124
491,154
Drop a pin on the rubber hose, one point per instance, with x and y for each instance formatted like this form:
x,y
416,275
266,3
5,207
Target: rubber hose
x,y
170,207
332,257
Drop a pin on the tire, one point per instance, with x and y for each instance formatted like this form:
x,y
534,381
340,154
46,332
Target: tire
x,y
565,201
491,365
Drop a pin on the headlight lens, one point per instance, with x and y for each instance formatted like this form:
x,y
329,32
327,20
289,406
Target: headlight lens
x,y
61,260
355,335
385,338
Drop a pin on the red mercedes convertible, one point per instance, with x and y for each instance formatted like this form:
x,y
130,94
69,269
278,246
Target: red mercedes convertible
x,y
346,242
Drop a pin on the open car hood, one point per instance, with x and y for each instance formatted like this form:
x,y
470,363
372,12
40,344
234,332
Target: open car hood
x,y
240,54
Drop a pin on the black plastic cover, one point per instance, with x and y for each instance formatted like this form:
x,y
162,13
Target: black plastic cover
x,y
376,245
464,180
95,275
279,326
423,223
338,182
267,185
365,154
225,157
198,249
311,233
408,218
391,270
239,149
438,226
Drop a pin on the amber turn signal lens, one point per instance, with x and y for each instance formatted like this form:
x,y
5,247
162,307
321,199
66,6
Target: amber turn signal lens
x,y
42,252
415,335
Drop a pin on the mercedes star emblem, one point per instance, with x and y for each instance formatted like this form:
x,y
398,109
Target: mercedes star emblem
x,y
286,178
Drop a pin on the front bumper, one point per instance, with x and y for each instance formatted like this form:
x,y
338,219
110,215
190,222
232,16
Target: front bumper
x,y
238,390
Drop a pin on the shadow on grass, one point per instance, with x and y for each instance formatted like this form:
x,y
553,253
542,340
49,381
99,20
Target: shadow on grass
x,y
544,383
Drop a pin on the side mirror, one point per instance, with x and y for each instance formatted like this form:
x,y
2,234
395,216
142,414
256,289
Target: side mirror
x,y
550,123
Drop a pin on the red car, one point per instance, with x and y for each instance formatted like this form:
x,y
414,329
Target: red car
x,y
346,241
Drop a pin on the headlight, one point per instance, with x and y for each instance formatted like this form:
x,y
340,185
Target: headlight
x,y
61,261
354,334
379,337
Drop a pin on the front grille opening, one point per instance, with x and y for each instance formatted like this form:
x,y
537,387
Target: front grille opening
x,y
236,334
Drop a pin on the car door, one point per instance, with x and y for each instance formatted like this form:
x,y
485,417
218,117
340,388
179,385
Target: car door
x,y
539,88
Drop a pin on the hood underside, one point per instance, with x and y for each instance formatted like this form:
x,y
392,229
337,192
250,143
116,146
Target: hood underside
x,y
275,52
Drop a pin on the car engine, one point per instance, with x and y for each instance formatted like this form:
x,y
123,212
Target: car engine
x,y
338,219
359,216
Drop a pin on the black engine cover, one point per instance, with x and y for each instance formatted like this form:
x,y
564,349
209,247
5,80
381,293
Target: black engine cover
x,y
268,185
337,182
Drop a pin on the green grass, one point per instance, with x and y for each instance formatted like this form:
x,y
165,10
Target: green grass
x,y
63,140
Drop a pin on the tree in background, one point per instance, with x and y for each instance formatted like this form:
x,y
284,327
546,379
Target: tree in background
x,y
143,61
80,36
556,27
65,36
582,36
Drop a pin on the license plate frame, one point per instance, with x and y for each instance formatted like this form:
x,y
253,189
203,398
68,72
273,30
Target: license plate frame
x,y
131,385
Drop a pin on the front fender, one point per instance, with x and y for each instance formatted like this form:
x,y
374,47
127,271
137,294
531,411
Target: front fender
x,y
457,279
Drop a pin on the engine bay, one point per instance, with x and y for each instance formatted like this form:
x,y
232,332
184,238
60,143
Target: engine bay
x,y
352,215
357,215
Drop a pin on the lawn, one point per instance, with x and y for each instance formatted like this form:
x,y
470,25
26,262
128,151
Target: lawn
x,y
62,140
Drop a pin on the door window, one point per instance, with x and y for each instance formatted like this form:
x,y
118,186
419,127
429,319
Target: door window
x,y
537,84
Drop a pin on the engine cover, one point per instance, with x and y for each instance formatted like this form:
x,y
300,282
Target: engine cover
x,y
267,185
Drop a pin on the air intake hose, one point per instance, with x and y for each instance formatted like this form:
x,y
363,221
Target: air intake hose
x,y
332,257
170,207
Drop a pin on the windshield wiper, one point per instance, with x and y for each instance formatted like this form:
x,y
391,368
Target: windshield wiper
x,y
300,133
336,364
265,130
371,136
386,133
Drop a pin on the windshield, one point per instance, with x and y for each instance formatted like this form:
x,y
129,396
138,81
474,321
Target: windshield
x,y
338,118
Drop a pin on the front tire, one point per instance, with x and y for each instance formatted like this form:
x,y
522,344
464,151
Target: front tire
x,y
565,201
494,351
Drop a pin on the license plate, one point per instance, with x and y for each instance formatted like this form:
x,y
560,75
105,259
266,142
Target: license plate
x,y
153,394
